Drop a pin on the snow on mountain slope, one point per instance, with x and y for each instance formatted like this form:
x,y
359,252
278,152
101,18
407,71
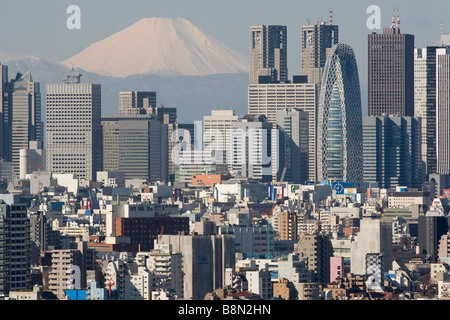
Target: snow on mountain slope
x,y
159,46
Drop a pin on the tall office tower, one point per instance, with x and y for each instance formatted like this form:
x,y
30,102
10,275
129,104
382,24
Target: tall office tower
x,y
254,143
391,72
268,54
73,132
317,39
15,247
293,126
425,103
4,112
443,110
205,260
339,124
268,99
374,237
391,151
136,102
26,116
216,128
136,145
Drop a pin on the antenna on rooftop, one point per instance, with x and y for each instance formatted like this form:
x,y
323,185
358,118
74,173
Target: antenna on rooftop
x,y
398,18
331,16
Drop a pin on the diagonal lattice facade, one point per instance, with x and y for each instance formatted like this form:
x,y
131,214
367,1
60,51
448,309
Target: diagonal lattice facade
x,y
339,122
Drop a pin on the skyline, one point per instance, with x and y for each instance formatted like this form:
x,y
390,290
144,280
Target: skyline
x,y
53,41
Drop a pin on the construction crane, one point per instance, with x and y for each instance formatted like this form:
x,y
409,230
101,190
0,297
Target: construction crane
x,y
284,170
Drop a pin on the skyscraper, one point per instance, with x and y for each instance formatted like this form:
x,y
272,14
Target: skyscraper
x,y
136,102
4,114
443,110
254,146
339,125
73,133
391,72
26,116
317,39
293,126
391,151
268,54
136,145
268,99
425,103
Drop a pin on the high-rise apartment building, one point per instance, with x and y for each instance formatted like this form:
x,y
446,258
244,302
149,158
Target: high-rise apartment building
x,y
205,260
339,124
293,126
374,237
268,54
317,39
391,72
26,122
443,110
73,131
136,102
268,99
391,151
15,247
425,103
316,250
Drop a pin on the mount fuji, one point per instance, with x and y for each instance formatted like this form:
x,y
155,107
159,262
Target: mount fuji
x,y
188,69
159,46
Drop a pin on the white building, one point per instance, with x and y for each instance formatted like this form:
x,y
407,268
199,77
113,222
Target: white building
x,y
73,127
138,285
260,282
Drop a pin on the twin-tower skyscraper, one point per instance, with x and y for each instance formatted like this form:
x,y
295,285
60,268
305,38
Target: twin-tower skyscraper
x,y
327,89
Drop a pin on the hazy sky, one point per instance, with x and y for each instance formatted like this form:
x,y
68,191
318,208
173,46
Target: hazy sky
x,y
38,27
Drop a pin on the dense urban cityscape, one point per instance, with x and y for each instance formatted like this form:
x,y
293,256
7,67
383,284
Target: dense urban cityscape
x,y
304,197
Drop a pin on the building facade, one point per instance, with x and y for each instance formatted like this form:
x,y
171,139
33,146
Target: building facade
x,y
316,38
268,54
391,72
392,151
73,131
339,124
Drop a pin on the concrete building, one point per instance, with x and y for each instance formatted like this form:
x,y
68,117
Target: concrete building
x,y
425,103
137,146
316,250
316,39
442,110
136,102
294,148
26,122
5,115
205,260
15,247
268,99
31,159
391,89
374,237
61,263
268,54
392,151
73,130
216,130
260,282
138,284
254,148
